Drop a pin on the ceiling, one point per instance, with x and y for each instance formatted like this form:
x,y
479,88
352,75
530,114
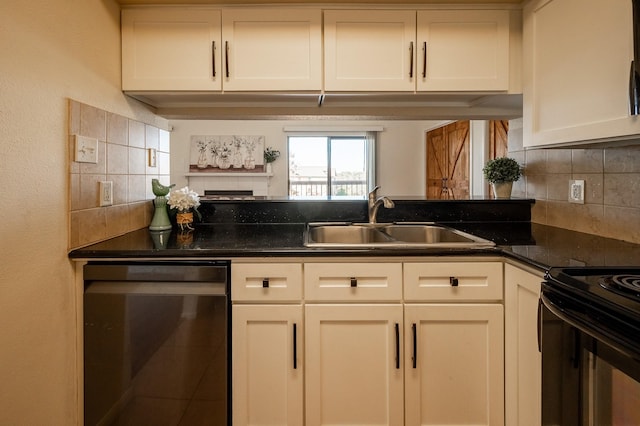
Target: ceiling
x,y
234,2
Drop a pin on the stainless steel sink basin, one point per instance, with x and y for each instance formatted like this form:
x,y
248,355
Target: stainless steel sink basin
x,y
389,235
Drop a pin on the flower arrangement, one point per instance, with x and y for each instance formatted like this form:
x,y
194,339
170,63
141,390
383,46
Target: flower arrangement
x,y
184,199
271,155
503,169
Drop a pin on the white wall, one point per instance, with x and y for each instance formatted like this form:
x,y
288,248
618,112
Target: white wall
x,y
401,152
51,50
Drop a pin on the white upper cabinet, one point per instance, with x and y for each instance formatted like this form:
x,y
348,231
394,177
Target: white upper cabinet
x,y
272,49
369,50
577,57
171,49
463,50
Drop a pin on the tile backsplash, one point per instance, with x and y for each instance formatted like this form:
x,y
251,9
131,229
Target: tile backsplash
x,y
612,187
123,145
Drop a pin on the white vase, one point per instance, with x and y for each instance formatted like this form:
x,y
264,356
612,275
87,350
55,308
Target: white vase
x,y
502,189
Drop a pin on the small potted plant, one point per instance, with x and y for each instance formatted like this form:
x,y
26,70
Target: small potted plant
x,y
185,202
270,155
501,173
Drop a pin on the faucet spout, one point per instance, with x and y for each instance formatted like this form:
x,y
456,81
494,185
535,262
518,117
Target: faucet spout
x,y
375,202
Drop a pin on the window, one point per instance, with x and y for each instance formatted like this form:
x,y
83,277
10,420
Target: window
x,y
331,165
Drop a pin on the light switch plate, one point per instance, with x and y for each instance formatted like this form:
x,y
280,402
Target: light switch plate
x,y
152,157
86,150
576,191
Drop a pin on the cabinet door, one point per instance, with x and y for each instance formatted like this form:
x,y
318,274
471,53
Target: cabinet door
x,y
354,373
171,49
267,365
454,365
523,361
463,50
369,50
577,71
272,49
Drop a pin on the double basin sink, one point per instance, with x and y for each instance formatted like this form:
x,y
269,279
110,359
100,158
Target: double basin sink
x,y
389,235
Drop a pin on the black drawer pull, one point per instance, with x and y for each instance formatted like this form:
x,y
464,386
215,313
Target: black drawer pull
x,y
295,346
397,346
453,281
414,357
354,282
265,283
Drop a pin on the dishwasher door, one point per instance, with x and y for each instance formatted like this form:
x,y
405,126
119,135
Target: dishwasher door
x,y
156,343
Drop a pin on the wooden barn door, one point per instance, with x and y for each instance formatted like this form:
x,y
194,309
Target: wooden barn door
x,y
498,138
448,161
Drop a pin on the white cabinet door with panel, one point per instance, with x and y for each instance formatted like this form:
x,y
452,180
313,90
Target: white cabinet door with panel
x,y
463,50
369,50
576,76
523,361
168,48
268,363
454,364
354,373
272,49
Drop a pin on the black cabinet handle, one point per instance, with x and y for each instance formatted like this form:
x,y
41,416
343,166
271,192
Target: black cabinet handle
x,y
411,60
354,282
453,281
295,346
424,59
397,346
265,283
226,58
213,57
414,356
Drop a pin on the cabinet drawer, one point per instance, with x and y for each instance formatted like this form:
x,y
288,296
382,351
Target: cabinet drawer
x,y
268,282
353,281
453,281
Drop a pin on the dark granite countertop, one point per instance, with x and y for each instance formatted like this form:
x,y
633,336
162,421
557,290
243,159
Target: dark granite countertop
x,y
263,228
537,245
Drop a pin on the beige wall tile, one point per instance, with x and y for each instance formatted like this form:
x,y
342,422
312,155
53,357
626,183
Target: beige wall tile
x,y
537,186
152,137
137,188
93,122
73,166
539,212
88,226
577,217
622,189
593,187
622,223
117,159
120,185
164,163
136,134
137,161
89,188
140,214
536,162
117,129
164,141
558,186
622,160
74,117
74,191
558,161
587,160
118,222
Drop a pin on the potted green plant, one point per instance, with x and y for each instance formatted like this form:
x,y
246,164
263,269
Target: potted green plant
x,y
270,155
501,173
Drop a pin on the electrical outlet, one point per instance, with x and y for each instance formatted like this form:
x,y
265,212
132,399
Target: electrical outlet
x,y
86,150
106,193
576,191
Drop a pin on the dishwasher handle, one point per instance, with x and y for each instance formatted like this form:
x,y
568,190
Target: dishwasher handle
x,y
158,271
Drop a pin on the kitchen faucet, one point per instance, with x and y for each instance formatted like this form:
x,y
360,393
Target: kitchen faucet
x,y
375,202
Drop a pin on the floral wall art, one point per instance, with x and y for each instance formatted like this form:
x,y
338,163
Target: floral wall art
x,y
226,154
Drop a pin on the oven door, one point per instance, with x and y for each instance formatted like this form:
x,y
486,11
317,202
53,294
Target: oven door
x,y
586,378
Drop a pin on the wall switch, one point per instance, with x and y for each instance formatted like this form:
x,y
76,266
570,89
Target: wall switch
x,y
106,193
152,157
86,149
576,191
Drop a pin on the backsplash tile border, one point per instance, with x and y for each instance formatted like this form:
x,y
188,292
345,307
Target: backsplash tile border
x,y
127,168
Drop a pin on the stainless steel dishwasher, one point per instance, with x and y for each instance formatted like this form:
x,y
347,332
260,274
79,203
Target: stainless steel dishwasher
x,y
156,343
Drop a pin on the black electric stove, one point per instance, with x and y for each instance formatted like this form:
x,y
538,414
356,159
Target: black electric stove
x,y
601,301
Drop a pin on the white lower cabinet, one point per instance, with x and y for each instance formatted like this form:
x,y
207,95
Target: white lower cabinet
x,y
370,342
354,373
267,368
454,364
523,360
